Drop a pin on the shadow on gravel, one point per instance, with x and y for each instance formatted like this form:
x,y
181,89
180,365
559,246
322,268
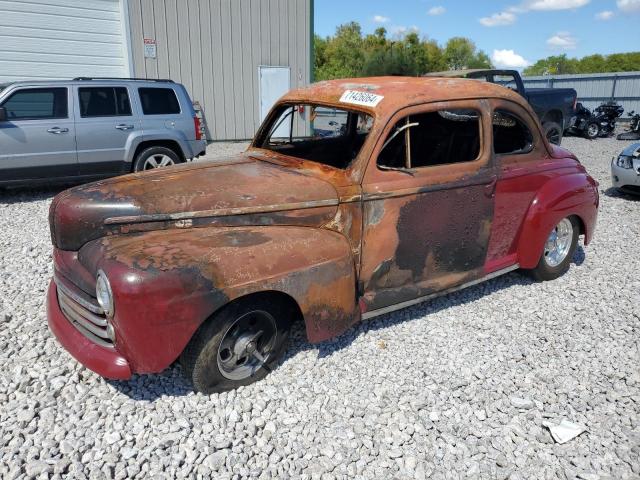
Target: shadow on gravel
x,y
12,195
171,382
615,193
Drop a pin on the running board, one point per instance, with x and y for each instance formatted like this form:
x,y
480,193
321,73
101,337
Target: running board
x,y
415,301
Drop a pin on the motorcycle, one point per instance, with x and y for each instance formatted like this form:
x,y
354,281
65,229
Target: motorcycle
x,y
600,123
633,133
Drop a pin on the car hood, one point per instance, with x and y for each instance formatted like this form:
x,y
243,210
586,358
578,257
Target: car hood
x,y
238,190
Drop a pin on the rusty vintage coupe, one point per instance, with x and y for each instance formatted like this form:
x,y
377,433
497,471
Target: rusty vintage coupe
x,y
356,198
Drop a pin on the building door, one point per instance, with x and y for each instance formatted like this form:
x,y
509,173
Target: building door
x,y
274,82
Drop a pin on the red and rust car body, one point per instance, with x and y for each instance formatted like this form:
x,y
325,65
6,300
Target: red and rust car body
x,y
179,244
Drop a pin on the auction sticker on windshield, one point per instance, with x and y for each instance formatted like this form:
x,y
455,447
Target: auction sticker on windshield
x,y
361,98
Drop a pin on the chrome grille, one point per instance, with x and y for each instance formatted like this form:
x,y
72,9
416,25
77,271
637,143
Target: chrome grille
x,y
84,314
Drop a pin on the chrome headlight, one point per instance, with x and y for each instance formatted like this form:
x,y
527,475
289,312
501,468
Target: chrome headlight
x,y
624,162
104,294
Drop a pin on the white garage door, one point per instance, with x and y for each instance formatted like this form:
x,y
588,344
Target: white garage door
x,y
62,39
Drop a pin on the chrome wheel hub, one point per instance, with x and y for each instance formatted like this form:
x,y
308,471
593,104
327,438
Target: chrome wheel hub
x,y
157,161
247,345
558,244
592,130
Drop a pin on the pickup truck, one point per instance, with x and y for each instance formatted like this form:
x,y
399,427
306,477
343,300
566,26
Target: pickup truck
x,y
555,107
423,187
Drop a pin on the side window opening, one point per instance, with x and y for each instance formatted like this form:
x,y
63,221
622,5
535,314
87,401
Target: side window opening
x,y
159,101
433,138
104,102
511,136
37,104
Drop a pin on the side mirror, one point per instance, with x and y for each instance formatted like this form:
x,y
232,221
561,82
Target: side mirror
x,y
3,114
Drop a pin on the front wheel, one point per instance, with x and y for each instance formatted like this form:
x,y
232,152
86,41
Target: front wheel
x,y
237,346
553,132
558,250
593,131
155,157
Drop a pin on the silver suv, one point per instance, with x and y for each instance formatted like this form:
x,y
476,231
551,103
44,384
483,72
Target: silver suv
x,y
90,128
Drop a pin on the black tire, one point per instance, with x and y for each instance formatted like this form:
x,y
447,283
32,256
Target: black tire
x,y
592,131
199,359
629,136
543,271
552,132
141,162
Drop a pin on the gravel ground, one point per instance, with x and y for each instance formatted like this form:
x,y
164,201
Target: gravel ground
x,y
457,388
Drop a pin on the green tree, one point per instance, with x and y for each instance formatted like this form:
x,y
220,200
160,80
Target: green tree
x,y
561,64
461,53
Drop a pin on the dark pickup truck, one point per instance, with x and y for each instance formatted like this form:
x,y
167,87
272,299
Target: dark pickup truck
x,y
554,106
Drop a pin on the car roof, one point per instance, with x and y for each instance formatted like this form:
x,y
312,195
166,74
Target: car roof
x,y
466,72
399,92
86,81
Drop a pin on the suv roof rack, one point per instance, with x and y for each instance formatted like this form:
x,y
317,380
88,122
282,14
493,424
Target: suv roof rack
x,y
125,78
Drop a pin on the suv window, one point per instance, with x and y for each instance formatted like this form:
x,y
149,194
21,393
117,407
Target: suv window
x,y
433,138
159,101
37,104
510,134
104,102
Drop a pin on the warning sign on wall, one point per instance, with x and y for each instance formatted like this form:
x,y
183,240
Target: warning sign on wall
x,y
150,50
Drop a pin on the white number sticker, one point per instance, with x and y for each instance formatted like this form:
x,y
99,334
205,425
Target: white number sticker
x,y
361,98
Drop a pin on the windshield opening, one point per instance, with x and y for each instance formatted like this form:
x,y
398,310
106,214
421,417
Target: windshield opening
x,y
326,135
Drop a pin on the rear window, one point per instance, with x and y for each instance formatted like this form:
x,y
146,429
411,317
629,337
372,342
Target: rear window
x,y
104,102
159,101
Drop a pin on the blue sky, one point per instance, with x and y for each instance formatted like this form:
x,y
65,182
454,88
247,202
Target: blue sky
x,y
514,33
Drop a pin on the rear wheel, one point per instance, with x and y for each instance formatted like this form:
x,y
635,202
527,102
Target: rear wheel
x,y
155,157
238,346
553,132
592,131
558,250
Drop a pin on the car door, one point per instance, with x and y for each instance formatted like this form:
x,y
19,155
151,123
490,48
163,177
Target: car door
x,y
522,165
105,123
428,203
38,139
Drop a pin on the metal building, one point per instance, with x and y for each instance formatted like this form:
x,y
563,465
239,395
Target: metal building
x,y
234,56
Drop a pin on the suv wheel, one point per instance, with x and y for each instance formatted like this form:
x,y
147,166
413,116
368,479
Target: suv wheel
x,y
155,157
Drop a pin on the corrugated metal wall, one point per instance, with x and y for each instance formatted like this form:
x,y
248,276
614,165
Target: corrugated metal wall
x,y
593,89
214,48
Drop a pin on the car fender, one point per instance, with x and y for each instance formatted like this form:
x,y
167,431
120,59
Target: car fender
x,y
166,283
137,137
560,197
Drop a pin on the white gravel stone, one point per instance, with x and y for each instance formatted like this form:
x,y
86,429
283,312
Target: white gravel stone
x,y
435,402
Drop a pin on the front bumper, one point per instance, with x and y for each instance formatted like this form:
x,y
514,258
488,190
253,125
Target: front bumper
x,y
626,178
106,362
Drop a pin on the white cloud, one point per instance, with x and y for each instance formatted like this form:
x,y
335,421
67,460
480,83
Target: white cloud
x,y
436,11
556,4
562,41
380,19
508,59
498,19
606,15
629,5
400,31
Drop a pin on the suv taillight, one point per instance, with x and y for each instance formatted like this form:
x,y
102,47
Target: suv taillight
x,y
196,125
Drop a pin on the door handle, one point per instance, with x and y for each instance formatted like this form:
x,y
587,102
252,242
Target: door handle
x,y
122,126
490,188
58,130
